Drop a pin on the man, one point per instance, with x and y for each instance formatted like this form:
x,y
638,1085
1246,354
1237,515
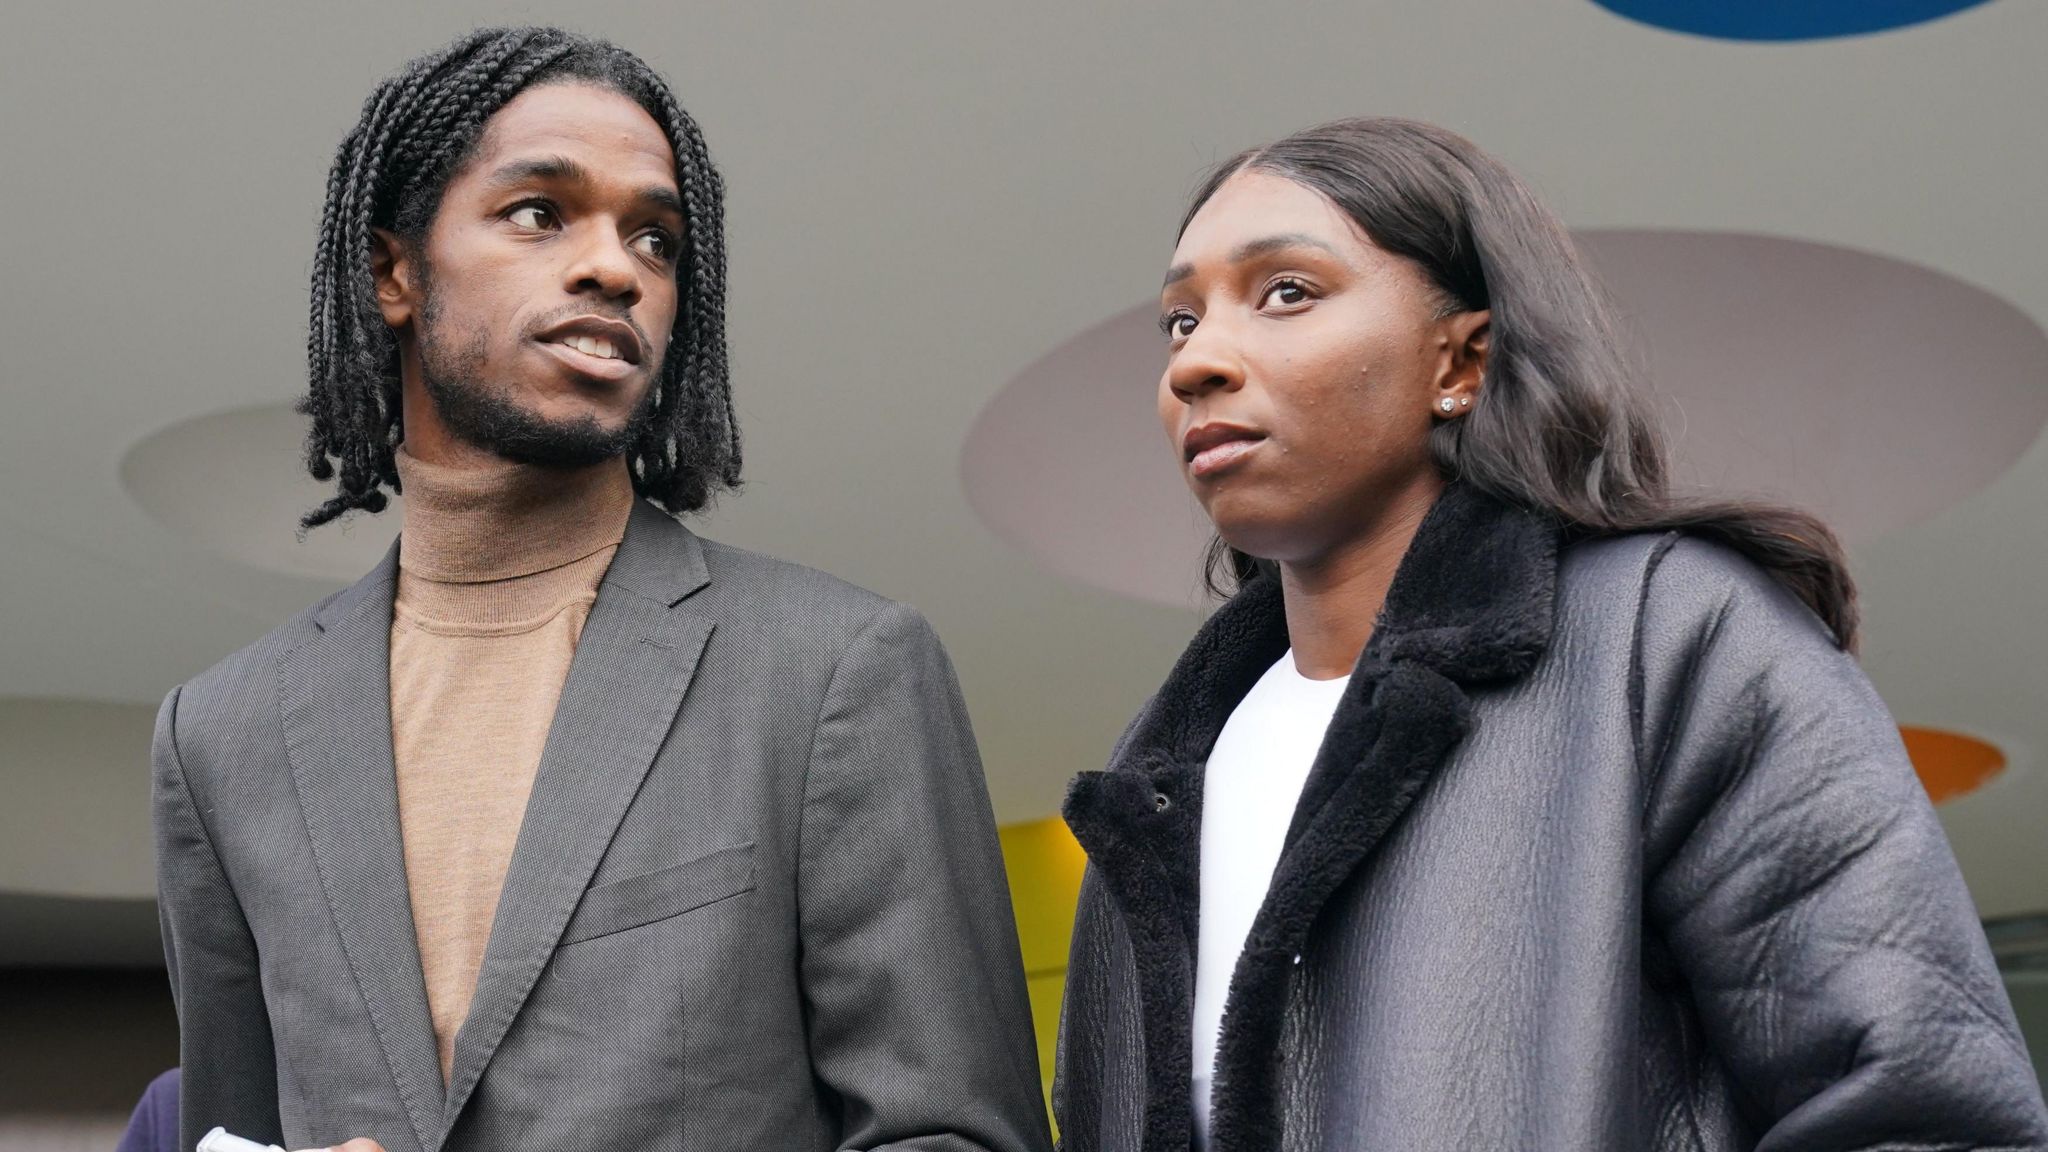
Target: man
x,y
565,828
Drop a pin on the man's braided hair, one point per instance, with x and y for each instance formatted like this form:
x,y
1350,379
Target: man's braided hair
x,y
417,130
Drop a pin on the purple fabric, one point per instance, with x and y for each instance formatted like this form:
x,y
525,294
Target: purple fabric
x,y
154,1126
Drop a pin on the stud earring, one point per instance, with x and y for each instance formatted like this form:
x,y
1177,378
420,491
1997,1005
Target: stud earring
x,y
1446,405
1464,401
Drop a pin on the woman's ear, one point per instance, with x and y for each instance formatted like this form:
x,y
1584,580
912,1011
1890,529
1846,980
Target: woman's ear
x,y
1461,372
391,269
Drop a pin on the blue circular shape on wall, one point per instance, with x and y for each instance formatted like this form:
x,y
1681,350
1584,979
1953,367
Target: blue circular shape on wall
x,y
1784,19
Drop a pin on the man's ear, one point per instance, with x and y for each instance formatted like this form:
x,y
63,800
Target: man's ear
x,y
393,269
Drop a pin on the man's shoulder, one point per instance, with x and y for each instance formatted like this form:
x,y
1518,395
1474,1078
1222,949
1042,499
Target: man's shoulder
x,y
809,618
250,673
756,584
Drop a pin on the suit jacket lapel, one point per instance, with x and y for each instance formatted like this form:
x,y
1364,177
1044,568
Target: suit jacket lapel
x,y
335,693
632,666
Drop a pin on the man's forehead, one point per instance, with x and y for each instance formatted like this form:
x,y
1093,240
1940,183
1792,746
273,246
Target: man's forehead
x,y
578,121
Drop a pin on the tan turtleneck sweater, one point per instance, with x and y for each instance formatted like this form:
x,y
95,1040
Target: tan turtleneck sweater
x,y
497,570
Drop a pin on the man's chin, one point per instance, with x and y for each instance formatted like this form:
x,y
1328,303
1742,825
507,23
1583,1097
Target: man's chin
x,y
560,444
514,432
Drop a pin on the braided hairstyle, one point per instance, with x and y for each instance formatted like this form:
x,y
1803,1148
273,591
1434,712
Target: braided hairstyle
x,y
417,131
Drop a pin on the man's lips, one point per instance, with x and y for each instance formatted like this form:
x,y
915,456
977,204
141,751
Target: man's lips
x,y
584,364
597,338
1209,449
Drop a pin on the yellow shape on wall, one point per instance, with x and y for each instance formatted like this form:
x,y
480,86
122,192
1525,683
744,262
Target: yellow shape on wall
x,y
1045,865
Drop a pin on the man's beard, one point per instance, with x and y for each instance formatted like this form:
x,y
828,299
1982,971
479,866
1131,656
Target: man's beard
x,y
479,414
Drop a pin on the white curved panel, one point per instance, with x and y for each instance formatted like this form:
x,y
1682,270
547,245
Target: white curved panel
x,y
234,482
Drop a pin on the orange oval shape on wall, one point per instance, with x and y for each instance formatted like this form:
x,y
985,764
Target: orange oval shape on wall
x,y
1950,764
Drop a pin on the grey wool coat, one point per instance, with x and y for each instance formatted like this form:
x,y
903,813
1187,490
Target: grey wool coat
x,y
1608,847
756,901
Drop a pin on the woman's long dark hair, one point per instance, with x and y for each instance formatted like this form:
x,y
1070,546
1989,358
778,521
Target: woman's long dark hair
x,y
1561,425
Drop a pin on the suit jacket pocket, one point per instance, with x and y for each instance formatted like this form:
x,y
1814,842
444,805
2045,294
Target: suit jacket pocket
x,y
617,905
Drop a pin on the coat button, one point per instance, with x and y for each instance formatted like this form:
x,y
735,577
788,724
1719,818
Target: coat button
x,y
1161,802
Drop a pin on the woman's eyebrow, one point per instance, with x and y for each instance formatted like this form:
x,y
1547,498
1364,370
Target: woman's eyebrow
x,y
1258,247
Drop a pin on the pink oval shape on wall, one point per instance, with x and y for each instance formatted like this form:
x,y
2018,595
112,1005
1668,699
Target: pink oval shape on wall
x,y
1873,391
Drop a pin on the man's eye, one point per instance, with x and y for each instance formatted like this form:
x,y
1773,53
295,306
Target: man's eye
x,y
1284,293
538,217
1177,325
659,245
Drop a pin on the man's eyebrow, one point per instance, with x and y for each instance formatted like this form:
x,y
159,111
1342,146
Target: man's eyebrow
x,y
1258,247
561,169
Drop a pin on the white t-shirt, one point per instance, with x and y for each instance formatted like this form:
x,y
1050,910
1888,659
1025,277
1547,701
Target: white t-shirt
x,y
1254,778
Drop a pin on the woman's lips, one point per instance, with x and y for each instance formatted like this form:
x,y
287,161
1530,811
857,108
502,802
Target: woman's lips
x,y
1220,458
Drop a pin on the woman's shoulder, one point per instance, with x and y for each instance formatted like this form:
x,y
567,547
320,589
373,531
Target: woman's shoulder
x,y
1672,577
1678,603
1696,610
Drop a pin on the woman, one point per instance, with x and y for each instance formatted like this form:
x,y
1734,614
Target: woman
x,y
1511,802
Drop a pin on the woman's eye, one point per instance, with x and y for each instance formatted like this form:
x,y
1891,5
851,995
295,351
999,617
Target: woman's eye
x,y
535,216
659,245
1177,325
1285,293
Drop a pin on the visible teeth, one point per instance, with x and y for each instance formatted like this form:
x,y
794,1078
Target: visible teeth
x,y
593,346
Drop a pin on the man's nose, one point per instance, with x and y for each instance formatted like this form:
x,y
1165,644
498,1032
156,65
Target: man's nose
x,y
605,265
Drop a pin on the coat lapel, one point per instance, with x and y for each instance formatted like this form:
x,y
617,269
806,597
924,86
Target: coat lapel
x,y
335,694
1141,824
1470,604
633,663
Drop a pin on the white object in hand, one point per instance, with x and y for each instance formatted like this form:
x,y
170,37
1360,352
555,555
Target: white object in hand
x,y
222,1140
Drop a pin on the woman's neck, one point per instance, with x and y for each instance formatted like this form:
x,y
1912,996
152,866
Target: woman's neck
x,y
1334,600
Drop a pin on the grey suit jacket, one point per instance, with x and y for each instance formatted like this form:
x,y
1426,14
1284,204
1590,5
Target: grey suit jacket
x,y
756,902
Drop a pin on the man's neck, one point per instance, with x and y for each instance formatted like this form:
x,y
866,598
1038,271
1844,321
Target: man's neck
x,y
477,517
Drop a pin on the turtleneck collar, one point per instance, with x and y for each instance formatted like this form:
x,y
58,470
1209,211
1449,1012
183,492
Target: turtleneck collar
x,y
507,520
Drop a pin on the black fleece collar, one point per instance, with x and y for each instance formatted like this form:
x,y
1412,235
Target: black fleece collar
x,y
1471,603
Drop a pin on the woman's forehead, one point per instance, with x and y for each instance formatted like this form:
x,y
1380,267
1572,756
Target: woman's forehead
x,y
1254,204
